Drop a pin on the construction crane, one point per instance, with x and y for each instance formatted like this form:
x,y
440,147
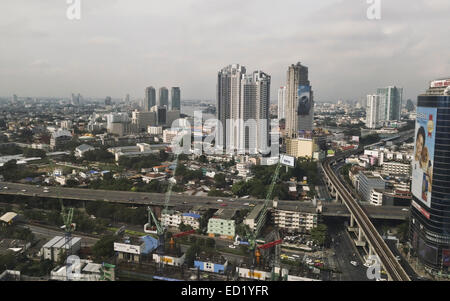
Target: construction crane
x,y
265,247
161,229
182,234
67,217
251,236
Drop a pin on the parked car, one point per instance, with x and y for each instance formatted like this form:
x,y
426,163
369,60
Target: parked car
x,y
354,263
232,246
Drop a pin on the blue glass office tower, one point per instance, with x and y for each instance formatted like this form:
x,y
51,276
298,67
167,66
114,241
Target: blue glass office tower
x,y
430,216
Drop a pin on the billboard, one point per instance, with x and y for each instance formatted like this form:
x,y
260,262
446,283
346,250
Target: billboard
x,y
427,253
423,159
288,160
304,101
446,258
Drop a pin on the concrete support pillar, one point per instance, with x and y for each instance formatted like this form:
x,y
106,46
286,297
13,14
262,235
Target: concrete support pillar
x,y
360,235
370,251
352,221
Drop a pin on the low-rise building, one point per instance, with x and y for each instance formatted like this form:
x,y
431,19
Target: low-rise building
x,y
295,218
376,197
222,224
367,181
81,270
140,150
82,149
133,249
214,264
396,168
58,246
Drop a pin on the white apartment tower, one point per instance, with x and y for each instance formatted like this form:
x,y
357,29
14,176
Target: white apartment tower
x,y
374,111
243,103
282,103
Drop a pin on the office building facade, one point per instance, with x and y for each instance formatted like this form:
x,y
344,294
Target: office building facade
x,y
299,108
164,97
150,99
175,95
430,215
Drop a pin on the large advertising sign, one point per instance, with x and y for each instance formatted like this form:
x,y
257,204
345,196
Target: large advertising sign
x,y
304,100
427,253
287,160
446,258
423,159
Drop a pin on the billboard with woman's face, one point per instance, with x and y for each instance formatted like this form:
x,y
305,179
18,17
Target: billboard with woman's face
x,y
423,159
304,100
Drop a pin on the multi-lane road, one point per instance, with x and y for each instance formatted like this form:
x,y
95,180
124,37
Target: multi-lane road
x,y
388,260
177,200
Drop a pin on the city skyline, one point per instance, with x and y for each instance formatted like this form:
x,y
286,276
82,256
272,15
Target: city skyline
x,y
386,51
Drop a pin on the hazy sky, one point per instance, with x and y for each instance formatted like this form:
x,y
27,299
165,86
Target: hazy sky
x,y
122,46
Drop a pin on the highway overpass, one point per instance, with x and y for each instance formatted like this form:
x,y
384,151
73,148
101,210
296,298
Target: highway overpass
x,y
360,222
157,199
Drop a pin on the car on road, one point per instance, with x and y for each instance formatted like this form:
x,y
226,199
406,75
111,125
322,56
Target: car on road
x,y
24,190
6,187
220,201
184,203
247,204
232,246
405,209
354,263
223,205
252,205
398,258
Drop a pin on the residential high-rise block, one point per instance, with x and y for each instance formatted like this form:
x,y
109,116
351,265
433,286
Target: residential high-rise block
x,y
254,132
229,103
392,103
374,111
282,103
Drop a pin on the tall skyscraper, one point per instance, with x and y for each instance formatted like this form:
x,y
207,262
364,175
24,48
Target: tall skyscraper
x,y
228,102
176,98
374,111
164,97
108,101
392,106
299,102
15,98
430,216
150,99
254,132
282,103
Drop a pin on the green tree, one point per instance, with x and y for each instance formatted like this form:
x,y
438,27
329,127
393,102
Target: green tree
x,y
104,248
319,234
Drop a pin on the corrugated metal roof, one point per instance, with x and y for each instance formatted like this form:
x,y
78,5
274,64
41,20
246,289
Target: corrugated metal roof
x,y
8,217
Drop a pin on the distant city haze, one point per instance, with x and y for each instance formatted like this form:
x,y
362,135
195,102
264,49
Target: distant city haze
x,y
122,47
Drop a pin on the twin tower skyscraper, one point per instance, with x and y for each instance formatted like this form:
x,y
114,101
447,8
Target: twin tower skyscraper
x,y
243,102
150,98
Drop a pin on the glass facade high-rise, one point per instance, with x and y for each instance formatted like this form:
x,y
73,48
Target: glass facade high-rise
x,y
164,97
392,103
150,99
430,217
176,99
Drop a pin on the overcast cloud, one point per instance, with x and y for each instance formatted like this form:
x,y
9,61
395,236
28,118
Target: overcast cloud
x,y
122,46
